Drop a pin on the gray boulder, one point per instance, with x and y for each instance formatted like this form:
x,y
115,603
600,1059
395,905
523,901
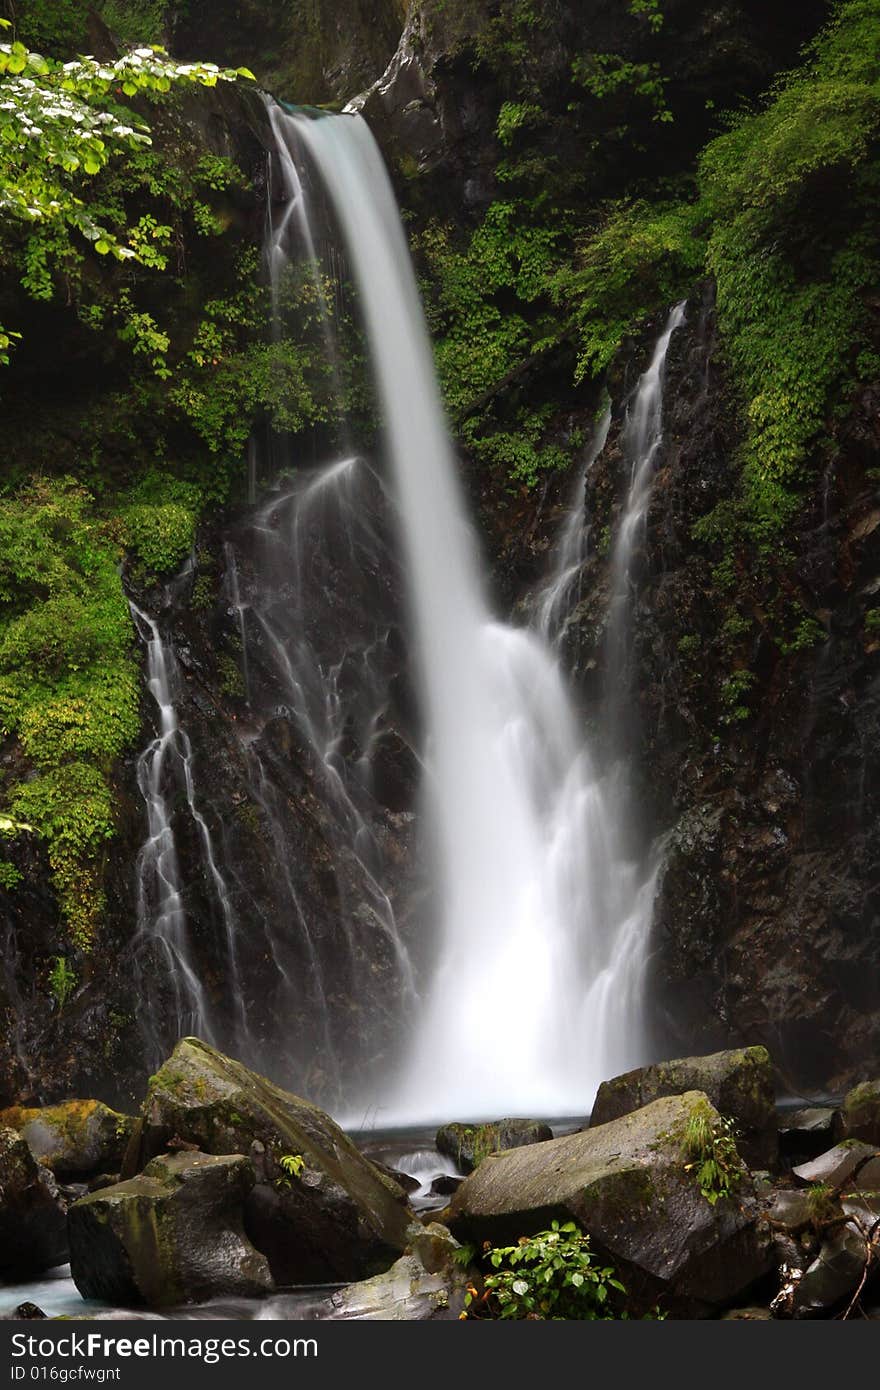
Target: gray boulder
x,y
832,1276
739,1084
320,1211
850,1164
76,1138
859,1116
172,1235
627,1183
33,1215
468,1145
425,1285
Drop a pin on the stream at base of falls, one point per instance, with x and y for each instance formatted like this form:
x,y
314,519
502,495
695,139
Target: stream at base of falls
x,y
411,1152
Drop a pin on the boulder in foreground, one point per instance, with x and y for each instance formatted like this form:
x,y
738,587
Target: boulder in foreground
x,y
425,1285
320,1211
172,1235
33,1220
739,1084
627,1183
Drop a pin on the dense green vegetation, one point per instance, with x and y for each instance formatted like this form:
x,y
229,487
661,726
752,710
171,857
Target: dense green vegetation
x,y
68,683
780,209
71,157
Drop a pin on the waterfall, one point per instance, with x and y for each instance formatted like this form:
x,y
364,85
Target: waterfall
x,y
160,913
642,442
531,995
556,598
164,769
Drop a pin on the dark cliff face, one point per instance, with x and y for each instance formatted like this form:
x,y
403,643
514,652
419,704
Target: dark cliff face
x,y
767,923
435,107
302,51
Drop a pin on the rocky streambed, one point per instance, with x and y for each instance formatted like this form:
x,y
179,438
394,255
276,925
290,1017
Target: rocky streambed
x,y
229,1197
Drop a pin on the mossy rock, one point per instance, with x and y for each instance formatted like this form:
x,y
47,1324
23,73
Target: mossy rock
x,y
427,1284
174,1234
468,1145
75,1139
860,1113
33,1220
738,1082
326,1214
627,1184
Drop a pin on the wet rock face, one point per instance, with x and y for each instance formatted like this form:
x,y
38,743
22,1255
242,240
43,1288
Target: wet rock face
x,y
860,1113
691,1254
173,1234
425,1285
33,1221
78,1138
468,1145
302,52
436,119
320,1212
765,920
738,1083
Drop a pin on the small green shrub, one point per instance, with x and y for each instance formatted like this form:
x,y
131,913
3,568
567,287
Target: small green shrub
x,y
552,1276
10,875
62,981
709,1150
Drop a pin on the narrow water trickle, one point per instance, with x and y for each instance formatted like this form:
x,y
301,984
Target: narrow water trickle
x,y
161,917
642,442
165,776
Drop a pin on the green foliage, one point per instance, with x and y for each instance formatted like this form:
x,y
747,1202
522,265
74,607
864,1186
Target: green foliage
x,y
733,691
709,1150
159,521
10,875
822,1204
62,981
291,1166
551,1276
608,75
652,10
68,684
643,257
60,126
135,21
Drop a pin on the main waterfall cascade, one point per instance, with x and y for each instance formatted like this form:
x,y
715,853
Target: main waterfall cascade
x,y
517,959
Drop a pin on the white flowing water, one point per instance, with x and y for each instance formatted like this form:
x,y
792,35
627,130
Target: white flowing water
x,y
533,994
164,768
558,597
161,916
642,442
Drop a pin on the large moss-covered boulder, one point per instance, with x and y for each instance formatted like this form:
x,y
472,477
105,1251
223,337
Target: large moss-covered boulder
x,y
427,1284
860,1113
468,1145
33,1220
632,1186
739,1084
319,1211
74,1139
174,1234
